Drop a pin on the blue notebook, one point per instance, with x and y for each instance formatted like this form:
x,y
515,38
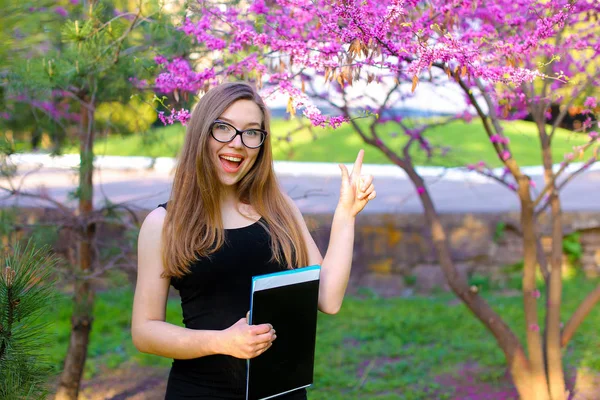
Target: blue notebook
x,y
287,300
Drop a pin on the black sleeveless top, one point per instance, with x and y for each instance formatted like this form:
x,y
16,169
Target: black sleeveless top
x,y
215,294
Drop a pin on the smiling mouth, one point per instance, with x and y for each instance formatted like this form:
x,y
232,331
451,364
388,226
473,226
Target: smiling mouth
x,y
231,163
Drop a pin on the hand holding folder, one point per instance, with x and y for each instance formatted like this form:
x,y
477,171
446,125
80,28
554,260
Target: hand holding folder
x,y
246,341
289,302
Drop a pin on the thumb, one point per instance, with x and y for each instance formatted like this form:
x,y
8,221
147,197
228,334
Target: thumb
x,y
247,319
345,176
239,322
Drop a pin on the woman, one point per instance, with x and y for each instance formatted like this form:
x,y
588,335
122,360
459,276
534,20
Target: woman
x,y
226,221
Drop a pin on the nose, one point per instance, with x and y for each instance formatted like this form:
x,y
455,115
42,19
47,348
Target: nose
x,y
236,143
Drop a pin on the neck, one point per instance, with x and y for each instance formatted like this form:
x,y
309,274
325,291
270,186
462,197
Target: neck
x,y
228,196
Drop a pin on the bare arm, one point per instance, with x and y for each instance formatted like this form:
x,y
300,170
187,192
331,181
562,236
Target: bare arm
x,y
335,267
150,332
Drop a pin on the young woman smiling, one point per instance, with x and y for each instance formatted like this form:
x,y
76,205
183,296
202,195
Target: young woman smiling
x,y
226,221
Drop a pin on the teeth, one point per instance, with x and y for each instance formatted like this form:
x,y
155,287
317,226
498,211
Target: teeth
x,y
234,159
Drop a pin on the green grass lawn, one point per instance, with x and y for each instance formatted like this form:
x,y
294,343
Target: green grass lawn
x,y
374,348
467,142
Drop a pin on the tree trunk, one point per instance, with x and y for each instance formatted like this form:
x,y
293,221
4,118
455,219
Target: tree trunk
x,y
539,382
83,301
519,365
554,367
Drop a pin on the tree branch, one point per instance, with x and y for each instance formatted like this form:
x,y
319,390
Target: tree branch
x,y
562,168
577,318
562,184
44,197
127,32
574,96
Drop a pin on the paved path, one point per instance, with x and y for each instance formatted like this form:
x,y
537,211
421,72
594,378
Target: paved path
x,y
315,187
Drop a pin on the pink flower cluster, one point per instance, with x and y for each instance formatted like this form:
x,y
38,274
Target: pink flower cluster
x,y
182,116
496,43
139,83
499,139
61,11
55,110
590,102
180,76
479,166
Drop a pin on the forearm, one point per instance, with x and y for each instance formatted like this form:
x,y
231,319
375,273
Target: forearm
x,y
335,268
168,340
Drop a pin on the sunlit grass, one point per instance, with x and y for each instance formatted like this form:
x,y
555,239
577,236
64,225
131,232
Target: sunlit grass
x,y
407,341
467,143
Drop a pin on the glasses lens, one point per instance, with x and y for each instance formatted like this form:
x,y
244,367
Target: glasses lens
x,y
253,138
223,132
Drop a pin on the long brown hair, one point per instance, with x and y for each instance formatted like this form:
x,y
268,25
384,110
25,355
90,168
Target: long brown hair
x,y
193,225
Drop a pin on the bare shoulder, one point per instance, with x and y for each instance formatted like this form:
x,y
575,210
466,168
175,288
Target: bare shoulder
x,y
151,229
290,202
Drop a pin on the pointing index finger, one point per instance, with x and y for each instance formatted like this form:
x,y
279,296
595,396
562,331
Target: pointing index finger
x,y
358,163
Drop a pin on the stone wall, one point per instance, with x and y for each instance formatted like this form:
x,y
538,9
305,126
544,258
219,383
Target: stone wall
x,y
590,240
393,252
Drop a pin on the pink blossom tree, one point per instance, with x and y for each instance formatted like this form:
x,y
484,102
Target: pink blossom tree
x,y
509,58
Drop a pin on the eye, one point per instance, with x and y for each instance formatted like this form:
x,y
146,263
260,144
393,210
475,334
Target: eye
x,y
252,133
222,127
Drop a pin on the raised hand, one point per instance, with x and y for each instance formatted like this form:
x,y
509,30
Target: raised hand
x,y
356,190
247,341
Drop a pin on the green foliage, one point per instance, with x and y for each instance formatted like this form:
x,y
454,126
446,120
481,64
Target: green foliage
x,y
499,231
516,267
572,247
7,147
481,281
410,280
90,56
40,234
132,116
26,291
8,220
44,235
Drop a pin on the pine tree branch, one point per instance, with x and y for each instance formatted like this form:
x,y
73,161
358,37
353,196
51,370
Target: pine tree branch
x,y
10,304
122,38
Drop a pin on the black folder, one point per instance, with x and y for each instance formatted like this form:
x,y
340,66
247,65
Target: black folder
x,y
287,300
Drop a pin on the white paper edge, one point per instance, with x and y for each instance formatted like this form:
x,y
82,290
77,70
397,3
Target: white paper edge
x,y
285,279
282,393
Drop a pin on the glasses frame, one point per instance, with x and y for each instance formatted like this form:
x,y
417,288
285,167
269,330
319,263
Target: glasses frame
x,y
238,132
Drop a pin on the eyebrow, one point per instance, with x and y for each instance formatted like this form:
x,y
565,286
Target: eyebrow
x,y
247,125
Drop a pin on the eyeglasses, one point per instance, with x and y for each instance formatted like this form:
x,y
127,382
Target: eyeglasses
x,y
224,132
